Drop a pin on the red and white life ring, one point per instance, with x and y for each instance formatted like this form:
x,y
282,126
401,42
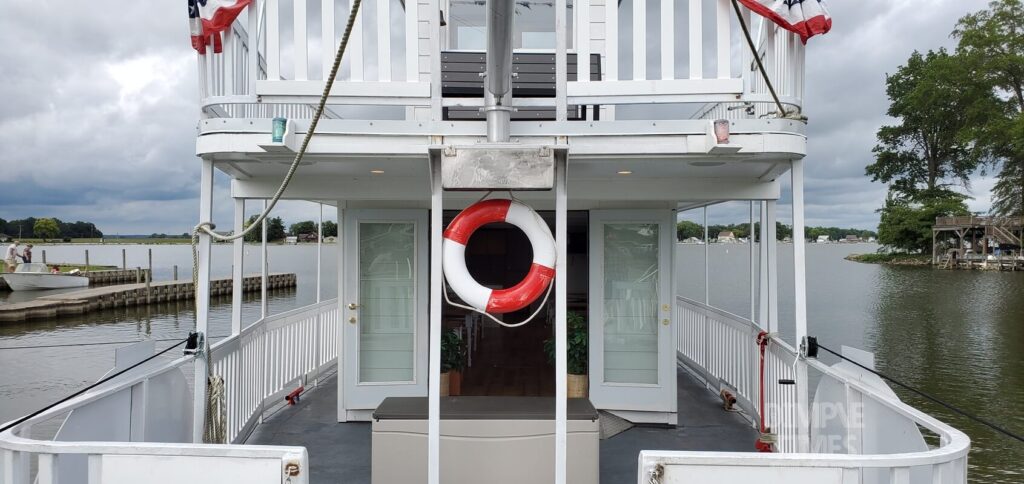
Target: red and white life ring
x,y
499,301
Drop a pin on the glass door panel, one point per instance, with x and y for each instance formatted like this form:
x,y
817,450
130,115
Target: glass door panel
x,y
631,301
387,297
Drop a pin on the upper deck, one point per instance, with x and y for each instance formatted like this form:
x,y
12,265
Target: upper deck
x,y
419,69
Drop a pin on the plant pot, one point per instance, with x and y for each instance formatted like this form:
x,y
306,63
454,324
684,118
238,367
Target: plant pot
x,y
444,383
455,383
577,386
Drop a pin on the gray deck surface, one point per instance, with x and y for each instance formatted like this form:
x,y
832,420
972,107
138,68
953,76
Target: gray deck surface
x,y
340,452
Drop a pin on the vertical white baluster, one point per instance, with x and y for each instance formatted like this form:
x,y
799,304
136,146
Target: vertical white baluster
x,y
328,44
696,40
899,475
384,40
412,33
273,25
301,47
745,56
47,469
668,40
582,44
639,39
354,50
611,45
229,61
561,61
724,40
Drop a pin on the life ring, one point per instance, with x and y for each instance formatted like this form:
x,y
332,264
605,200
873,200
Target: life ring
x,y
499,301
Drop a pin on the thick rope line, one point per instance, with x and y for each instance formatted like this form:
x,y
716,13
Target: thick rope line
x,y
757,58
934,399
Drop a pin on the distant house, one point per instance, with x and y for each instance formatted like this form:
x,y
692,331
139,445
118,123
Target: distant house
x,y
693,240
291,240
852,239
310,237
823,239
872,240
726,237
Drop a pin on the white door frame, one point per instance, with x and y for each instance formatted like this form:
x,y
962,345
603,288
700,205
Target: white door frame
x,y
637,402
360,399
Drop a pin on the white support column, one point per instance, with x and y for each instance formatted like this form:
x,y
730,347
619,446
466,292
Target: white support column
x,y
561,61
561,329
319,247
263,266
202,302
800,304
237,268
753,266
773,270
340,244
762,271
707,242
434,383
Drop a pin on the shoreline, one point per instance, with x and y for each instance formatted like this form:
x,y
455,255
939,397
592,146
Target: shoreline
x,y
904,260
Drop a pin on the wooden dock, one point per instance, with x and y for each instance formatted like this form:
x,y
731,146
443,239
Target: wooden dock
x,y
86,300
978,242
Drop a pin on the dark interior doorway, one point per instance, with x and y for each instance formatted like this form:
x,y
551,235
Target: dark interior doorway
x,y
511,361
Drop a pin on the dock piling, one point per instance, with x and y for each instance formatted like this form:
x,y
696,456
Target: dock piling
x,y
44,256
138,275
86,260
175,272
124,260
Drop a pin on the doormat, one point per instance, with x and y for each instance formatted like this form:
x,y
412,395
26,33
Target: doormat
x,y
612,425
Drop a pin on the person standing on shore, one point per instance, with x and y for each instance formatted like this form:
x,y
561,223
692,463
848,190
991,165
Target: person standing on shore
x,y
26,255
11,257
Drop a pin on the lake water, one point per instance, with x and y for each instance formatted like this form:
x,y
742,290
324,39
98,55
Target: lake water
x,y
956,334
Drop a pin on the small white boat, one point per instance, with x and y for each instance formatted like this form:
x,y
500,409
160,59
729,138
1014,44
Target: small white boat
x,y
36,276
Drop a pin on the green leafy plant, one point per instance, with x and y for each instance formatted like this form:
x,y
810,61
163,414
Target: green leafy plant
x,y
577,340
453,355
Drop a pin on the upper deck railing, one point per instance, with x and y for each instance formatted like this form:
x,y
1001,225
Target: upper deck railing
x,y
394,58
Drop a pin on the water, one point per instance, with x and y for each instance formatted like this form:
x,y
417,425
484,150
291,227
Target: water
x,y
957,334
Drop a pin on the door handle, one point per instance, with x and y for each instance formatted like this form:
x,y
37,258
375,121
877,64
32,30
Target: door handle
x,y
353,306
352,320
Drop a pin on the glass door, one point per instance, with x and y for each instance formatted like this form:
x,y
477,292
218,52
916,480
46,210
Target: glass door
x,y
632,351
385,306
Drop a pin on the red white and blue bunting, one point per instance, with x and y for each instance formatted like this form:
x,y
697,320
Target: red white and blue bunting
x,y
805,18
208,18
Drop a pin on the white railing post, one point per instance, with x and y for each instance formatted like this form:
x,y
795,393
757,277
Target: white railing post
x,y
237,268
202,302
800,303
328,47
384,39
639,39
434,385
301,51
723,39
581,8
762,272
561,329
696,40
773,270
319,318
561,61
273,54
263,266
668,40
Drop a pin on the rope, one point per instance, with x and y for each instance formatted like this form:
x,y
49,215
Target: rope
x,y
90,387
935,399
95,343
215,431
757,59
544,302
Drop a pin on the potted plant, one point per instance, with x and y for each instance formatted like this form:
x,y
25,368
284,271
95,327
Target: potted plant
x,y
577,355
452,361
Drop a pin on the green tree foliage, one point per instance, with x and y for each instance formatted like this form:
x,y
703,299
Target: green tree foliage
x,y
992,47
275,230
304,227
907,226
330,229
686,229
46,228
934,98
25,228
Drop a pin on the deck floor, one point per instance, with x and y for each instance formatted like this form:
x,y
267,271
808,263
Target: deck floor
x,y
340,452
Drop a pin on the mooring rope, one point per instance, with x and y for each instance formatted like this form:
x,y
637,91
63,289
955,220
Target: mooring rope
x,y
933,398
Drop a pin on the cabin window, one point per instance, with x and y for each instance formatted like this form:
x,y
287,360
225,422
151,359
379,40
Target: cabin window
x,y
387,292
631,303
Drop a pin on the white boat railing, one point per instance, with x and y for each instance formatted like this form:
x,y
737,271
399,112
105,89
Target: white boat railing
x,y
394,59
720,348
272,357
258,365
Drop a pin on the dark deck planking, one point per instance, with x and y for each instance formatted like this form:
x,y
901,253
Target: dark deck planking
x,y
340,452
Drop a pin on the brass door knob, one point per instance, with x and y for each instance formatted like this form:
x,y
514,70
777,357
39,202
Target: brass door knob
x,y
352,320
353,306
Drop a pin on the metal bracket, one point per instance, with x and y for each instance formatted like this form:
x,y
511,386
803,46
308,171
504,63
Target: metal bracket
x,y
498,166
195,344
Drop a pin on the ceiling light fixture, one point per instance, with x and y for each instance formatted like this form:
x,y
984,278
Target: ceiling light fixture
x,y
377,172
625,172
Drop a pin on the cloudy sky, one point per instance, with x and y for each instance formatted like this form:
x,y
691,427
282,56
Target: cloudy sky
x,y
99,112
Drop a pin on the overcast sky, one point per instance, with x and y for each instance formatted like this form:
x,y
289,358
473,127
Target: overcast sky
x,y
99,110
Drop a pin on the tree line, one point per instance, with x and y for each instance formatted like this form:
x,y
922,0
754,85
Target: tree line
x,y
48,228
957,114
686,229
276,229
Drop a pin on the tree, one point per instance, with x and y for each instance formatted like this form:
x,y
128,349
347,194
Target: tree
x,y
992,46
330,229
934,98
46,228
907,225
686,229
275,230
304,227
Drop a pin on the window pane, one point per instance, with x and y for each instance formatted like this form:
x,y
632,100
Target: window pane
x,y
387,276
631,303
